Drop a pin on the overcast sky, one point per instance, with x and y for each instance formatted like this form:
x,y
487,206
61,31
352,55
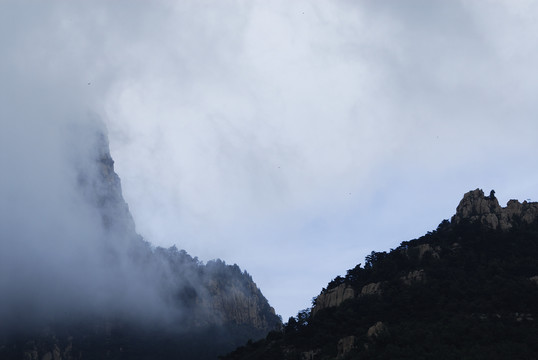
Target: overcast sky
x,y
290,137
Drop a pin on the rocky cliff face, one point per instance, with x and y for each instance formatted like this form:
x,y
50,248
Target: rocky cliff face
x,y
221,294
217,294
333,297
101,187
240,302
476,207
164,302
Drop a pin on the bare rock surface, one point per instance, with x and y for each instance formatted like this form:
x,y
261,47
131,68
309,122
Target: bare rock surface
x,y
371,289
376,330
333,297
346,344
476,207
413,277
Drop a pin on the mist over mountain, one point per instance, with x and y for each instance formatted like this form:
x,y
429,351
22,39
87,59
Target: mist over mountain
x,y
76,279
288,137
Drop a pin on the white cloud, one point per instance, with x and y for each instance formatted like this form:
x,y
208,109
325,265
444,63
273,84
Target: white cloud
x,y
327,129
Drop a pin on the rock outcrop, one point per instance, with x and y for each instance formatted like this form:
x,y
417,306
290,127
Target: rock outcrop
x,y
101,187
309,355
333,297
424,249
476,207
371,289
421,251
346,344
413,277
237,300
377,330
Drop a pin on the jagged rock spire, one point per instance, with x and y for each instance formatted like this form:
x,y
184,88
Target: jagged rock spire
x,y
475,206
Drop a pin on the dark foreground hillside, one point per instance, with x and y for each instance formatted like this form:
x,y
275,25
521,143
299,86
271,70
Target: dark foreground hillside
x,y
468,290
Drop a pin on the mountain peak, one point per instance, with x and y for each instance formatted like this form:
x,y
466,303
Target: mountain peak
x,y
95,288
459,291
475,206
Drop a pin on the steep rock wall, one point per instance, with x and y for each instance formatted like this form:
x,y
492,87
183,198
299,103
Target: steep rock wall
x,y
333,297
194,300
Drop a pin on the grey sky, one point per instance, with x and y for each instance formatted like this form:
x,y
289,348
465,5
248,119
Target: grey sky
x,y
292,138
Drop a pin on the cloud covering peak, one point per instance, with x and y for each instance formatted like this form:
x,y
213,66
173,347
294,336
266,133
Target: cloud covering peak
x,y
265,132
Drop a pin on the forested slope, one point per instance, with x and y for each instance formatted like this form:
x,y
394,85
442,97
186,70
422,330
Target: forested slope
x,y
468,290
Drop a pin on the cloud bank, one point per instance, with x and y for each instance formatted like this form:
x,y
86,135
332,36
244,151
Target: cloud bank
x,y
270,133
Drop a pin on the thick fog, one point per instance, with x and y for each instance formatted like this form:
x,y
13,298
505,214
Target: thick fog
x,y
59,258
69,248
66,251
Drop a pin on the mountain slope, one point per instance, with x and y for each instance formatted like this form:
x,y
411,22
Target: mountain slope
x,y
469,289
114,295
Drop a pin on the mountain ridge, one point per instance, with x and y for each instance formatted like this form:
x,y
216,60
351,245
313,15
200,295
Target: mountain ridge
x,y
147,302
465,290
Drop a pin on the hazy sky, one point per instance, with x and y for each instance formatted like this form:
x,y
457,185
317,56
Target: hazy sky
x,y
289,137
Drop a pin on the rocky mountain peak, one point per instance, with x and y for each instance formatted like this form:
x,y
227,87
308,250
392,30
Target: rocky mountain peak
x,y
114,295
475,206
